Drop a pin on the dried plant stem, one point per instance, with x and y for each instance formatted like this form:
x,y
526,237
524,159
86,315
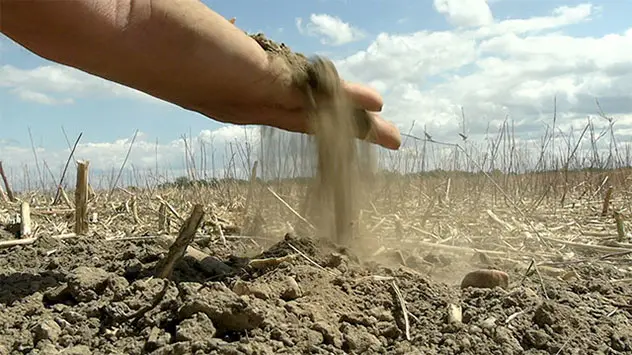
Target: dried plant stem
x,y
402,304
25,220
7,187
118,176
309,259
26,241
180,245
287,205
81,199
620,227
606,201
163,219
60,192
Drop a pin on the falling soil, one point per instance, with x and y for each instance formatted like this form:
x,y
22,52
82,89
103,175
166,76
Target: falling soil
x,y
336,123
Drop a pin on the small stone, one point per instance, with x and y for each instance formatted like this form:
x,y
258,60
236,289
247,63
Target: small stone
x,y
336,260
489,323
77,350
504,336
314,337
227,310
464,343
194,329
389,330
331,334
474,329
486,279
241,288
244,288
57,294
86,283
358,318
45,347
48,329
454,314
381,314
291,289
358,340
536,338
157,339
174,349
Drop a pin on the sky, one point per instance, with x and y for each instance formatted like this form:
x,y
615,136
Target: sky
x,y
428,58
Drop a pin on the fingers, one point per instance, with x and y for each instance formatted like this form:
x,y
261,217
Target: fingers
x,y
384,133
364,96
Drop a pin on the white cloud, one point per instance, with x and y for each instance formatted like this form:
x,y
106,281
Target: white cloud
x,y
40,98
55,84
560,16
512,67
465,13
330,29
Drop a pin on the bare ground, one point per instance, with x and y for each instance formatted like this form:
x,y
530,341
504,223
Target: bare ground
x,y
94,295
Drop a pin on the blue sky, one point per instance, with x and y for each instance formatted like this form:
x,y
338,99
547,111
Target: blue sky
x,y
104,117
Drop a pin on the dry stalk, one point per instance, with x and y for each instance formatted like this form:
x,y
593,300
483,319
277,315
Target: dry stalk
x,y
251,187
287,205
270,262
220,229
26,241
402,304
499,221
309,259
534,266
60,190
205,262
594,248
606,201
25,220
620,227
64,197
134,209
163,219
7,187
81,198
3,195
170,208
118,176
180,245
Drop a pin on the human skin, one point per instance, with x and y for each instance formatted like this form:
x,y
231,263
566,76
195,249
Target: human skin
x,y
180,51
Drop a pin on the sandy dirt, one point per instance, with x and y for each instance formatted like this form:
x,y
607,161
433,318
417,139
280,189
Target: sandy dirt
x,y
99,297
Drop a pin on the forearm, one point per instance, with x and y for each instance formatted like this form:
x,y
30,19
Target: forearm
x,y
177,50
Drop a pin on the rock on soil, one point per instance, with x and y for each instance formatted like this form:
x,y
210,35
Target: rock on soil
x,y
95,297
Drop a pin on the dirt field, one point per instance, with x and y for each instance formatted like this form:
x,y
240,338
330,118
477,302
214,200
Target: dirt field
x,y
98,294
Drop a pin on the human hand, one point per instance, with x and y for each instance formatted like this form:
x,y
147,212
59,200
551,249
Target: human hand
x,y
275,103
